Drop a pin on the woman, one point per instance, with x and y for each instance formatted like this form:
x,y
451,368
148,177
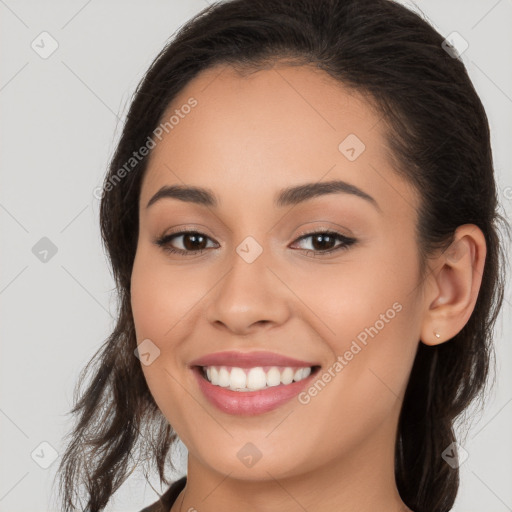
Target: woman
x,y
301,217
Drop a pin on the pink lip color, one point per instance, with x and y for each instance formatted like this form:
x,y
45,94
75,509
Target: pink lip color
x,y
249,403
249,359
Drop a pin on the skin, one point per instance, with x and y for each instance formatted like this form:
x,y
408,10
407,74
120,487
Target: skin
x,y
248,137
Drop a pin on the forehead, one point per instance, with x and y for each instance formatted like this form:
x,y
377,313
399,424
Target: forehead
x,y
268,129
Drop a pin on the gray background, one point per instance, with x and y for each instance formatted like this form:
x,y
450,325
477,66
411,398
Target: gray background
x,y
61,118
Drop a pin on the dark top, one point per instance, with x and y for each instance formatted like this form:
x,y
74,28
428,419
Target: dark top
x,y
166,501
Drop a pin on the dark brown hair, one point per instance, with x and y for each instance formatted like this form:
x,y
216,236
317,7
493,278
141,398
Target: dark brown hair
x,y
438,135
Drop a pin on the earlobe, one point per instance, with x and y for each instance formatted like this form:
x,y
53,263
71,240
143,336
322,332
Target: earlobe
x,y
453,286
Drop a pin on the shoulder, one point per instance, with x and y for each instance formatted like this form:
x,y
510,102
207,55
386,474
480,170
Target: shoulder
x,y
165,502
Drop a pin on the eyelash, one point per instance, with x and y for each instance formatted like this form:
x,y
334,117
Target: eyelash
x,y
164,242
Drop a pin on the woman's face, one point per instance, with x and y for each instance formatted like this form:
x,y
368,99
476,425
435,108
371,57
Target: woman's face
x,y
264,280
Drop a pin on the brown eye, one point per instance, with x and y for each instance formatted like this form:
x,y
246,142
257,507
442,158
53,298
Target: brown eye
x,y
324,242
192,242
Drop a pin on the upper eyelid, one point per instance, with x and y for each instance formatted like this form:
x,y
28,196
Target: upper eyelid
x,y
183,232
334,227
302,234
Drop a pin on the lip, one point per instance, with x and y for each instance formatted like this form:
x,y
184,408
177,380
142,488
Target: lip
x,y
250,403
249,359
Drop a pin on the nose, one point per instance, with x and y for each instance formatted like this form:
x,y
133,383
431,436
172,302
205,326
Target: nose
x,y
250,296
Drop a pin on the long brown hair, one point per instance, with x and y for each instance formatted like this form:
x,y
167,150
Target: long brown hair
x,y
438,134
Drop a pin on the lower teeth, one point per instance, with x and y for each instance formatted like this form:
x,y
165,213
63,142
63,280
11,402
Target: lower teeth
x,y
261,389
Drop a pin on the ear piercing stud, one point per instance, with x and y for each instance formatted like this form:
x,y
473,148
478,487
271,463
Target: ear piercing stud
x,y
437,335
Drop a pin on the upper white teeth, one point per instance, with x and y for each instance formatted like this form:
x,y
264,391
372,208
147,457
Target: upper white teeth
x,y
253,379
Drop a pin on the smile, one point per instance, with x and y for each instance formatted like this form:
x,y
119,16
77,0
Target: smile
x,y
253,379
251,391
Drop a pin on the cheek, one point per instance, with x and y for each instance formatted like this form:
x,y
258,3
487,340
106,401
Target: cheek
x,y
366,309
166,302
159,300
161,296
373,348
341,300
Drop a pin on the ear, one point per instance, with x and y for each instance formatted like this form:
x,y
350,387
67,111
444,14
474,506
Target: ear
x,y
452,286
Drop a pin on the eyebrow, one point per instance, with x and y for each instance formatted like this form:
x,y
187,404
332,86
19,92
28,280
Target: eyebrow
x,y
286,197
